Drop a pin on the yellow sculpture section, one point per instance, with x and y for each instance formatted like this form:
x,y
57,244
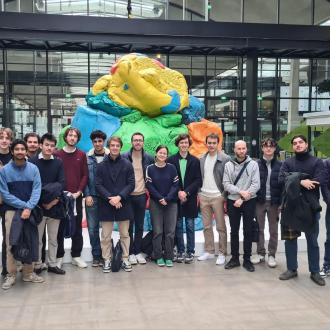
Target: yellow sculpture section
x,y
145,84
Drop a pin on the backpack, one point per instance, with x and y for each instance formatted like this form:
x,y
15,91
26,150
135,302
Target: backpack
x,y
117,254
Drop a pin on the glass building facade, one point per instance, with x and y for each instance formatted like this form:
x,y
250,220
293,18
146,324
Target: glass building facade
x,y
40,89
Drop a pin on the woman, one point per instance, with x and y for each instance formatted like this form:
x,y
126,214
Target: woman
x,y
163,185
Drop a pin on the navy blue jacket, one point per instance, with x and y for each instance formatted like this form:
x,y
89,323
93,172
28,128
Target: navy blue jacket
x,y
275,186
114,177
326,187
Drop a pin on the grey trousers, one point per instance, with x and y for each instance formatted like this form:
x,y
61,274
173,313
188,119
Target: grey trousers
x,y
163,220
272,214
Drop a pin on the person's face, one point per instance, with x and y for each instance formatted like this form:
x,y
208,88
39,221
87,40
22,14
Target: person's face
x,y
47,148
212,145
268,150
32,144
72,138
19,152
183,145
137,142
299,145
4,141
114,148
240,150
161,155
98,145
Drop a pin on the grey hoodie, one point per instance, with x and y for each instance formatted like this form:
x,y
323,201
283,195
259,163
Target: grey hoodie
x,y
249,181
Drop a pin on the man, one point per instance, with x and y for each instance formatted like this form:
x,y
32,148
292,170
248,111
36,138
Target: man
x,y
76,177
304,164
6,137
115,182
94,156
53,182
211,198
326,195
268,202
241,180
33,143
20,188
140,160
190,180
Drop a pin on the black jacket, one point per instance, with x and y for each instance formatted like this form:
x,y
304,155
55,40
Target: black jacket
x,y
326,187
190,184
114,177
275,187
49,192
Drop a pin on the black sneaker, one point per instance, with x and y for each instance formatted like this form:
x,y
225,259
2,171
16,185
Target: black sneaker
x,y
318,279
232,263
96,263
247,264
56,270
38,271
287,275
189,258
180,258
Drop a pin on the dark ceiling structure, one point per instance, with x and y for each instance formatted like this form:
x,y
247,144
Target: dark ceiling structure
x,y
119,35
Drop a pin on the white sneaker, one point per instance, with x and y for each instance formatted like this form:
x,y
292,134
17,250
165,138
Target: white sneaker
x,y
33,278
257,259
205,256
141,259
9,282
272,262
220,260
132,259
79,262
59,262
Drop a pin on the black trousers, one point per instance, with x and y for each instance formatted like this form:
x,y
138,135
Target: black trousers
x,y
136,225
77,238
4,246
247,212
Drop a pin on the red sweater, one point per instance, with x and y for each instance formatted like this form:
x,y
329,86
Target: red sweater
x,y
75,169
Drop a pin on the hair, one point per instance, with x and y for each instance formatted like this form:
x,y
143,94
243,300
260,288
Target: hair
x,y
212,136
300,136
16,142
269,141
162,146
98,134
115,138
136,133
49,137
181,137
32,134
68,130
8,131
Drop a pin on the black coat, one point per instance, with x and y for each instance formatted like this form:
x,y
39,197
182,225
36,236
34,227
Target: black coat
x,y
326,187
275,187
114,177
190,184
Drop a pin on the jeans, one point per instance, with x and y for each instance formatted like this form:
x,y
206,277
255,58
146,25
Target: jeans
x,y
138,203
94,229
190,231
326,263
313,251
247,211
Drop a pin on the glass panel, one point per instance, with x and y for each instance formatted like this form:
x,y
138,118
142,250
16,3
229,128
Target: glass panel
x,y
195,10
175,10
293,12
260,11
321,78
265,109
322,12
1,109
222,108
266,77
225,10
65,7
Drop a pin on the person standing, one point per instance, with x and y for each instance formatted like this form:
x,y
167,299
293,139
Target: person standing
x,y
241,180
163,184
114,183
303,164
53,183
190,180
33,143
94,157
268,202
20,187
211,199
76,177
140,160
6,137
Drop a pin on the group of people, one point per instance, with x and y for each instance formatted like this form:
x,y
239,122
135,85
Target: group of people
x,y
40,186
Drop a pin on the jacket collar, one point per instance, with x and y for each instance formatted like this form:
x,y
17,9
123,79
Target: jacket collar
x,y
220,156
90,153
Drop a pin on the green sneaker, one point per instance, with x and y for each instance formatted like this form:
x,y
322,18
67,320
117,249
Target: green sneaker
x,y
160,262
169,263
